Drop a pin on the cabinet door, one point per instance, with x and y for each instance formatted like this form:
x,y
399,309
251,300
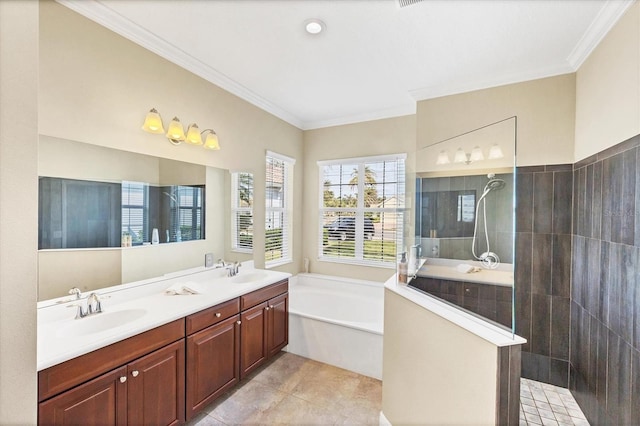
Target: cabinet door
x,y
278,329
156,387
213,366
253,338
101,401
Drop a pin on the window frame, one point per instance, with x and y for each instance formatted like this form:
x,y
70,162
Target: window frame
x,y
360,211
286,210
237,209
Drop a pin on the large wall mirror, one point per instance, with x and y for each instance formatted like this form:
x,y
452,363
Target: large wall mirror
x,y
108,216
464,220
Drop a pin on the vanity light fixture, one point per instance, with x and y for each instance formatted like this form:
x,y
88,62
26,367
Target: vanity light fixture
x,y
175,133
495,152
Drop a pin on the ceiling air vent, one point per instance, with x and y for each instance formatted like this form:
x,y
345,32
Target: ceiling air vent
x,y
405,3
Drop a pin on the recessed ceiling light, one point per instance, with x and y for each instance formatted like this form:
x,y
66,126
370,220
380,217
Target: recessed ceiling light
x,y
314,26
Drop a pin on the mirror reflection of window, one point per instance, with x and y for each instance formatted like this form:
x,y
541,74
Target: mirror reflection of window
x,y
242,212
135,212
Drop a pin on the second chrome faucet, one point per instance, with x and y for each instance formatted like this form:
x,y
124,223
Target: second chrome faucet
x,y
93,305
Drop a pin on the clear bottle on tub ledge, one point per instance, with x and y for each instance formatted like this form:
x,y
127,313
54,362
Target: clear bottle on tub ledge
x,y
403,268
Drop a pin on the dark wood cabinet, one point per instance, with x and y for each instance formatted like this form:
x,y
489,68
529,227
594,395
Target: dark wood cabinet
x,y
101,401
265,326
149,390
213,363
156,387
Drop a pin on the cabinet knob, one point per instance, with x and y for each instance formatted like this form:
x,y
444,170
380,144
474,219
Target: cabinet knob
x,y
123,379
135,373
271,306
267,308
238,322
218,314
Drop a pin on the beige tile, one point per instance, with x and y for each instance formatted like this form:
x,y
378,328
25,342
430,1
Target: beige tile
x,y
285,372
203,419
245,402
295,411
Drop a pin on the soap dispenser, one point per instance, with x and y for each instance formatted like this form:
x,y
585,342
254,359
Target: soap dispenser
x,y
403,268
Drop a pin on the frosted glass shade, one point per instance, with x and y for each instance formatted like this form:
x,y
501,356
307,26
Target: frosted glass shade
x,y
495,152
153,122
175,132
211,142
476,154
443,158
460,156
193,135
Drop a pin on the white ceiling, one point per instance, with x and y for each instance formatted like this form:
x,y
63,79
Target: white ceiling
x,y
374,60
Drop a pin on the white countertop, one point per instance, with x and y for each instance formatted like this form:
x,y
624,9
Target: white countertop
x,y
55,345
476,325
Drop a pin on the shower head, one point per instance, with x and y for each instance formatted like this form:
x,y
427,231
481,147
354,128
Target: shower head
x,y
494,184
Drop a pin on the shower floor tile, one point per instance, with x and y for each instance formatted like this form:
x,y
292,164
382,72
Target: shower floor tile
x,y
544,404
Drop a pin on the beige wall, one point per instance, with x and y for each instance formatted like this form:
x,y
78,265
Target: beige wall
x,y
436,373
18,210
545,109
608,89
96,87
379,137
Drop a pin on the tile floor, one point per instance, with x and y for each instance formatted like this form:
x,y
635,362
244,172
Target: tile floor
x,y
543,404
292,390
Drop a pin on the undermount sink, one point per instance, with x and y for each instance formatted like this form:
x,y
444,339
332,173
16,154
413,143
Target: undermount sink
x,y
249,277
100,322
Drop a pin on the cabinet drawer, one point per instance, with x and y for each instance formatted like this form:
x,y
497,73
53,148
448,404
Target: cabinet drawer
x,y
266,293
212,315
68,374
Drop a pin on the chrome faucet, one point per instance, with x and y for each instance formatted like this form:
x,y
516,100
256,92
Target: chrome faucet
x,y
231,267
93,305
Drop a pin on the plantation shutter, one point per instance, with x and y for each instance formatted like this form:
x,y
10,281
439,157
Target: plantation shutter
x,y
278,217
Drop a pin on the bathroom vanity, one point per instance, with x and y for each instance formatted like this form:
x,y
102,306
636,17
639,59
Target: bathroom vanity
x,y
166,365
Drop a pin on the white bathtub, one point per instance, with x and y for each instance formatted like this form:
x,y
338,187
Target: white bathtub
x,y
337,321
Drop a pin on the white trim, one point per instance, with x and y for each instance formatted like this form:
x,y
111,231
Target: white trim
x,y
274,264
607,17
372,159
281,157
112,20
383,421
399,111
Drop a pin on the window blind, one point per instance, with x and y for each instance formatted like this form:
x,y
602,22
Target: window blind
x,y
362,210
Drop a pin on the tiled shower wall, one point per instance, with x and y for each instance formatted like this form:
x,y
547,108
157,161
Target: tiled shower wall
x,y
605,296
543,270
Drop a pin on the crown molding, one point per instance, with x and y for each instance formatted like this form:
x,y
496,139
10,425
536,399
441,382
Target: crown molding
x,y
609,14
399,111
452,89
108,18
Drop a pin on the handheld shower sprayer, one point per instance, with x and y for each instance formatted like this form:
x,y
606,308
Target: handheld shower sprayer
x,y
489,259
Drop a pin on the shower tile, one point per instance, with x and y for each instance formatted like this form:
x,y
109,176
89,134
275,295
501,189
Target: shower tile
x,y
540,324
628,280
615,188
561,268
614,287
603,312
558,374
592,283
560,324
524,250
613,381
562,202
636,312
635,382
524,202
637,201
523,317
601,363
628,198
542,202
607,201
587,217
596,205
579,193
541,266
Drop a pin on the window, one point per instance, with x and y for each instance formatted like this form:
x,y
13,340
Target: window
x,y
135,211
278,195
186,219
242,212
361,210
